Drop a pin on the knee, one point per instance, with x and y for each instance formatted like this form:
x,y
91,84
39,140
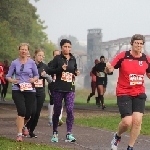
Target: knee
x,y
137,122
126,123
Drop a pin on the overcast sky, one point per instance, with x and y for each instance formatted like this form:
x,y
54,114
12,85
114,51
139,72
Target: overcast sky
x,y
116,18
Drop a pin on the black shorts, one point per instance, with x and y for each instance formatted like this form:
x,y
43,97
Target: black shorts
x,y
129,104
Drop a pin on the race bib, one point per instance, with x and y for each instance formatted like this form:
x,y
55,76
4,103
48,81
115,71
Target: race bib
x,y
101,74
66,76
135,79
39,83
25,86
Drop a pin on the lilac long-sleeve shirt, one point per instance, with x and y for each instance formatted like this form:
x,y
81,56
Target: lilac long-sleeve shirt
x,y
29,71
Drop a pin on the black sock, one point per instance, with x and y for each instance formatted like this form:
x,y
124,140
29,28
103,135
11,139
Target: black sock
x,y
129,147
118,137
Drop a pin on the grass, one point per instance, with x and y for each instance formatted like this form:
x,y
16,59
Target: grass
x,y
8,144
110,122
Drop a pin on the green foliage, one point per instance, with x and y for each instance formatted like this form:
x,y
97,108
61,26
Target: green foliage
x,y
20,24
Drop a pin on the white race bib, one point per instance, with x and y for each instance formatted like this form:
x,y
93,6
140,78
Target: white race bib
x,y
135,79
66,76
39,83
25,86
101,74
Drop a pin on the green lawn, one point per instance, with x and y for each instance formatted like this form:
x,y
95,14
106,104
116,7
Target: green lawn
x,y
110,122
8,144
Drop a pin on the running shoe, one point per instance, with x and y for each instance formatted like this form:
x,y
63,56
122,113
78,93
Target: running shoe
x,y
103,107
88,99
60,123
32,135
50,123
115,142
70,138
25,131
54,137
19,138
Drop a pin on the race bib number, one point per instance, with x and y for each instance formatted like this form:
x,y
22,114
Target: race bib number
x,y
101,74
66,76
25,86
135,79
39,83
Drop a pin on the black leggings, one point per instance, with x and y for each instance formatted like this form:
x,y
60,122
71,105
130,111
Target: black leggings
x,y
39,100
24,102
4,89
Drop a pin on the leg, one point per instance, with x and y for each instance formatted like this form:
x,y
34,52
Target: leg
x,y
93,91
101,93
125,109
2,91
50,108
6,87
69,109
40,101
19,101
138,111
58,97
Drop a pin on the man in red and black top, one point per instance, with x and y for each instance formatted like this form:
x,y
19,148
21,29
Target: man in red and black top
x,y
5,84
93,82
130,91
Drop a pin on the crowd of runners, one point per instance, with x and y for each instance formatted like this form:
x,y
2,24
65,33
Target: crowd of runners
x,y
27,76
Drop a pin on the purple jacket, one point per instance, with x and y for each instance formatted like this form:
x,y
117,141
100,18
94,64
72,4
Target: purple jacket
x,y
29,70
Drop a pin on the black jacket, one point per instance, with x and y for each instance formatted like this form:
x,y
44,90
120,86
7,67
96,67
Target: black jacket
x,y
41,66
64,78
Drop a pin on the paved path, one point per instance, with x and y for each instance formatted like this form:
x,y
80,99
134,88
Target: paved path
x,y
87,138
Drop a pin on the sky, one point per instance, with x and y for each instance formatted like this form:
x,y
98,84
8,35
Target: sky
x,y
116,18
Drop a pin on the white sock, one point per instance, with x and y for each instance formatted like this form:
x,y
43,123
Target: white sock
x,y
19,134
60,117
50,112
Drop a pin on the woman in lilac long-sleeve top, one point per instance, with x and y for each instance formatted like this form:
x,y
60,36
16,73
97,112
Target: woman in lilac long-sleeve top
x,y
23,91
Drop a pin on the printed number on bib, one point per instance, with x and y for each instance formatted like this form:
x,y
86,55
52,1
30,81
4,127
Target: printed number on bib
x,y
135,79
66,76
39,83
25,86
101,74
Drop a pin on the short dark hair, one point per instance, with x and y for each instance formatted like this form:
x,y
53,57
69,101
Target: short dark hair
x,y
102,57
63,41
137,37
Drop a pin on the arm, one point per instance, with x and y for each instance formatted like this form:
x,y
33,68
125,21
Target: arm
x,y
148,69
35,72
54,68
116,63
11,72
48,78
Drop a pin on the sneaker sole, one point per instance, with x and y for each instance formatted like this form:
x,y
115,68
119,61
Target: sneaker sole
x,y
70,141
54,141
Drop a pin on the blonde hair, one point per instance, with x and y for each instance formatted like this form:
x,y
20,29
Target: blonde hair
x,y
36,52
24,44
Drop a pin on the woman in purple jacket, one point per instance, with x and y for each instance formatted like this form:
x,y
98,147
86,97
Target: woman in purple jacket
x,y
23,90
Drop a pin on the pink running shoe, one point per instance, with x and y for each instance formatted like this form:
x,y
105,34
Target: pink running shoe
x,y
19,138
25,132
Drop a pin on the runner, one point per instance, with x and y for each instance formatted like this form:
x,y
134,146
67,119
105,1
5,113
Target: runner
x,y
40,91
50,91
131,97
5,85
93,83
23,91
64,88
99,71
2,80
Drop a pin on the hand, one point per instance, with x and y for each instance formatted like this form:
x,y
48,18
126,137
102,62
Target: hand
x,y
106,60
77,72
15,81
31,80
64,67
97,74
108,65
43,73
